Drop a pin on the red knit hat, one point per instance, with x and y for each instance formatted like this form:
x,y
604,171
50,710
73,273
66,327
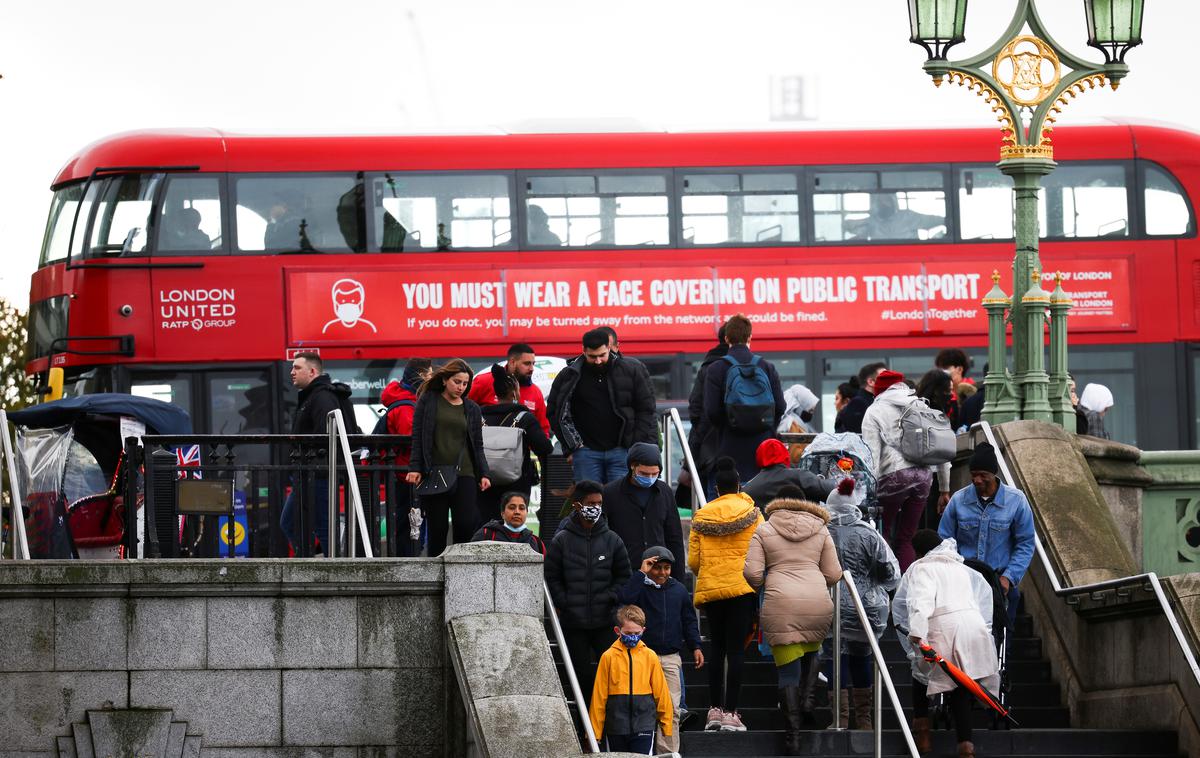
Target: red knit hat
x,y
771,452
887,379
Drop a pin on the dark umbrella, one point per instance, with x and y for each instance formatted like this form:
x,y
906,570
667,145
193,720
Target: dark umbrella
x,y
970,685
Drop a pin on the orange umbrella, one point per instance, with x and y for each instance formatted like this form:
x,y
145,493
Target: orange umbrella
x,y
970,685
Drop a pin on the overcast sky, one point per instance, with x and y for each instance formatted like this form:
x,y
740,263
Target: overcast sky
x,y
77,71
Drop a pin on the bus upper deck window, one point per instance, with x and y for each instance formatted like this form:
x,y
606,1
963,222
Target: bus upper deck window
x,y
879,205
605,210
58,225
985,204
742,209
122,215
190,217
1166,206
310,213
413,212
1084,200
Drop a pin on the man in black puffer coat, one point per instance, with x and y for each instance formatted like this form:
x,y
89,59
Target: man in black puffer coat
x,y
702,439
586,564
640,507
599,405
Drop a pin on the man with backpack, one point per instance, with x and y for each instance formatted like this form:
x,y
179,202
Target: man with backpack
x,y
400,402
743,399
319,395
897,427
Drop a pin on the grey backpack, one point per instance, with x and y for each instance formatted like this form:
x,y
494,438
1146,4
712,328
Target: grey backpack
x,y
504,449
925,436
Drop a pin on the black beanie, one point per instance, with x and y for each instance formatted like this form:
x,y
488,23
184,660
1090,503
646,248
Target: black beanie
x,y
643,454
984,459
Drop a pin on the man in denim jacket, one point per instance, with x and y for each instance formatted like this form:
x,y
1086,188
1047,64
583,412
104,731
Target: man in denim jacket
x,y
992,523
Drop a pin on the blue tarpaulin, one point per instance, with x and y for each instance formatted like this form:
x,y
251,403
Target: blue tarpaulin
x,y
159,417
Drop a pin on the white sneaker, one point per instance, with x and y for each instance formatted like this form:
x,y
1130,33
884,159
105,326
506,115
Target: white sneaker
x,y
732,723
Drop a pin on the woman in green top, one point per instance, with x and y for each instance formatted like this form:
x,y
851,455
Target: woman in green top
x,y
448,431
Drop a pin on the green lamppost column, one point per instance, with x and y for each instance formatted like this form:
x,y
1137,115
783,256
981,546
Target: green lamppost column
x,y
1026,79
1060,380
1002,405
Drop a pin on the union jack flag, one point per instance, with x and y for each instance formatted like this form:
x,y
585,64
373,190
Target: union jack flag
x,y
188,457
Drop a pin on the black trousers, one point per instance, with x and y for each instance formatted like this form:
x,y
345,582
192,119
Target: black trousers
x,y
959,701
729,623
585,647
459,503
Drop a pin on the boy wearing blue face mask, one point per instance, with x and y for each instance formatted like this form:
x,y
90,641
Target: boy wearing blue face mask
x,y
640,507
510,527
630,698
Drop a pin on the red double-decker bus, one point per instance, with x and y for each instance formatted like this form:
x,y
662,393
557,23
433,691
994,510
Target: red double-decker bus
x,y
189,265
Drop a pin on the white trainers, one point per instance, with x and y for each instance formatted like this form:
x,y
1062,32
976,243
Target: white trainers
x,y
732,722
716,717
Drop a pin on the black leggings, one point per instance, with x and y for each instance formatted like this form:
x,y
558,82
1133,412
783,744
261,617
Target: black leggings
x,y
729,622
460,503
959,701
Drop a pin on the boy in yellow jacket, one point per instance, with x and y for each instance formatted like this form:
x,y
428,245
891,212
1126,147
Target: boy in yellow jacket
x,y
630,697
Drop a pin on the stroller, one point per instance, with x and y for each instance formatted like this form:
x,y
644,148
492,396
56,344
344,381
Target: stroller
x,y
70,463
841,455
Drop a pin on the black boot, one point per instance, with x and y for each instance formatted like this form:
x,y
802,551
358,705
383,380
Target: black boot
x,y
809,670
789,704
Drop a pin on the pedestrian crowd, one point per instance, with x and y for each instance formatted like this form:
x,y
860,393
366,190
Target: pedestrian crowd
x,y
764,552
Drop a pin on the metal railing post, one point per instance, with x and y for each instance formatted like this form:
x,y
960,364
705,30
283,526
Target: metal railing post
x,y
359,516
880,665
20,541
331,486
877,705
580,703
698,495
837,656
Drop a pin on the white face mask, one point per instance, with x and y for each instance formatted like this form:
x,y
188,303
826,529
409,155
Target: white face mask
x,y
349,312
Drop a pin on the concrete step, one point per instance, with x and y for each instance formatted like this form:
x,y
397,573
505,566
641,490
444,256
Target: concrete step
x,y
991,743
766,695
770,718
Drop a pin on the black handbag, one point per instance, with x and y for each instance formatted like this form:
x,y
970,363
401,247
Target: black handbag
x,y
442,478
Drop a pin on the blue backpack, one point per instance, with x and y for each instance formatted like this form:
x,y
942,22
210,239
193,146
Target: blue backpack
x,y
749,401
381,424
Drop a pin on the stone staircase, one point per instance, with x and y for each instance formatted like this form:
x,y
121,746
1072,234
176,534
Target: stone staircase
x,y
1036,699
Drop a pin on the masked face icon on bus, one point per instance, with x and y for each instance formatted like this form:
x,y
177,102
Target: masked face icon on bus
x,y
349,304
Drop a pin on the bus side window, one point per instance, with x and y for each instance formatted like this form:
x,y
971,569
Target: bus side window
x,y
299,213
1084,200
985,203
122,215
1166,208
190,217
414,212
604,210
740,209
879,205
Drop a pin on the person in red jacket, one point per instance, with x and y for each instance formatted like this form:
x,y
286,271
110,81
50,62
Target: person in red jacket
x,y
400,400
520,365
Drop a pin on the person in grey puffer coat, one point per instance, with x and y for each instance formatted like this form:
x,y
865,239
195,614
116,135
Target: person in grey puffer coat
x,y
865,555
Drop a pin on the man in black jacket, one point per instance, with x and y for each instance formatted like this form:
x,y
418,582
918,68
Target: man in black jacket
x,y
599,405
851,417
586,563
319,395
702,439
640,507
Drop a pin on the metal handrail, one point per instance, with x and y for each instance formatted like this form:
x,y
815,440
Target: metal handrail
x,y
882,677
335,426
1081,589
20,541
574,682
673,419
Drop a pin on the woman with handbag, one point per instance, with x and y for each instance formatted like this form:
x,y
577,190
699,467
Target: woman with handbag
x,y
448,465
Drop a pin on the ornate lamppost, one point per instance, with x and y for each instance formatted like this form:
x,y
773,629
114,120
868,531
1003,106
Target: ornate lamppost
x,y
1026,78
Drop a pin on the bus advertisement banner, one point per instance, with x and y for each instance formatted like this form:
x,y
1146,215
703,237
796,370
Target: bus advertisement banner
x,y
387,306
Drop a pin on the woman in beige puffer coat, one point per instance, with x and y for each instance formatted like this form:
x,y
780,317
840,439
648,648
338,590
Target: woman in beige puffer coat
x,y
795,555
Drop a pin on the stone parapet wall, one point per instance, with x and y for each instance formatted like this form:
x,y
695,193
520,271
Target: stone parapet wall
x,y
258,657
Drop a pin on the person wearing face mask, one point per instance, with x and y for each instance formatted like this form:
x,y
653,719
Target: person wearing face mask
x,y
801,406
671,627
447,438
600,404
630,695
510,527
640,507
586,563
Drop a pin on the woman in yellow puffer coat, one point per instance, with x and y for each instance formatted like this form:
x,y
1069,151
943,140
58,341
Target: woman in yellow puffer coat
x,y
717,548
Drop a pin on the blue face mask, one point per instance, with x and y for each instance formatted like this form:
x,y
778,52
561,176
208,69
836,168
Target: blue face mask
x,y
644,481
514,529
630,640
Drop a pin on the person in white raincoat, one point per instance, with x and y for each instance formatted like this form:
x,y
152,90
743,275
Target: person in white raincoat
x,y
948,606
799,414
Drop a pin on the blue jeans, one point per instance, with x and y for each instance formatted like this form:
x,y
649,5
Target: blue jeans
x,y
641,742
601,466
319,497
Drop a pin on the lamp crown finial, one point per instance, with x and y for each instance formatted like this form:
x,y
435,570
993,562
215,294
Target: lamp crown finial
x,y
995,277
1035,276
